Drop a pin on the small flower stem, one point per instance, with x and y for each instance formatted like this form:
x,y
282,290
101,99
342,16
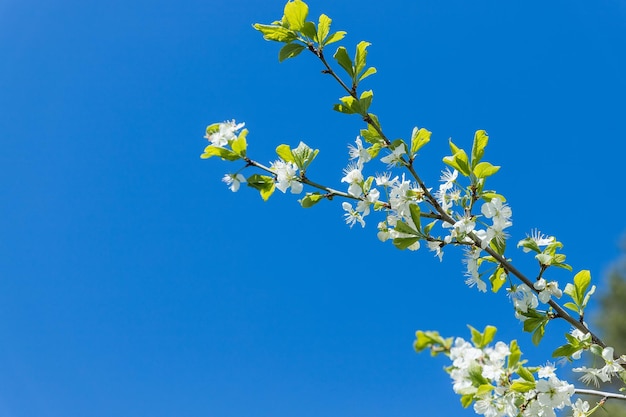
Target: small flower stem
x,y
582,391
320,54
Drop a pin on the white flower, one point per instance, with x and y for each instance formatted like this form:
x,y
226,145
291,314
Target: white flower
x,y
554,393
540,239
359,153
352,216
384,180
547,289
523,299
546,371
435,246
580,408
611,365
226,132
591,375
395,157
286,176
448,179
354,178
363,206
233,181
473,277
401,195
497,211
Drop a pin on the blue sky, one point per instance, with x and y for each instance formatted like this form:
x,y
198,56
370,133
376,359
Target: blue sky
x,y
134,283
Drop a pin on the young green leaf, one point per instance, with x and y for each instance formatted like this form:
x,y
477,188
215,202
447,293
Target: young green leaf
x,y
414,209
295,12
309,30
276,33
335,37
478,147
403,243
485,169
344,60
419,138
303,155
367,73
289,51
311,199
263,183
366,100
223,153
323,29
515,355
360,57
240,145
285,153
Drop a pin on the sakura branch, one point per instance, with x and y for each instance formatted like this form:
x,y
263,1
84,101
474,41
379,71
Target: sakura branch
x,y
462,212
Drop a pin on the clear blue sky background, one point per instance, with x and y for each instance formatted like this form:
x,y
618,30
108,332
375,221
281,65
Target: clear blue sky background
x,y
134,283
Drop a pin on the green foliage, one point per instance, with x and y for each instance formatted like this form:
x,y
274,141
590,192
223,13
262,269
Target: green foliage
x,y
290,50
419,138
458,160
481,340
578,291
311,199
263,183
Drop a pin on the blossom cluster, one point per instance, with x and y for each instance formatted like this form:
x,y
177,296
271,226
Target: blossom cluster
x,y
485,376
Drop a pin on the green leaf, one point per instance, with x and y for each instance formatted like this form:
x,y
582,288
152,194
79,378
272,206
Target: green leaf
x,y
323,28
335,37
476,336
303,155
367,73
285,153
459,162
240,145
538,334
427,339
581,282
525,374
478,147
490,195
276,33
264,184
289,51
488,335
309,30
529,243
572,306
311,199
515,355
485,169
404,242
360,57
467,400
419,138
223,153
484,389
497,279
564,351
371,135
415,215
349,105
344,60
522,386
343,109
402,227
366,100
295,14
